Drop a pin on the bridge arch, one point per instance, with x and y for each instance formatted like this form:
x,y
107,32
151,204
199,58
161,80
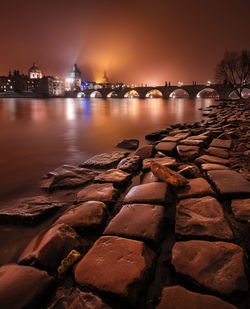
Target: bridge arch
x,y
154,93
96,94
112,94
81,95
245,94
208,92
179,93
132,94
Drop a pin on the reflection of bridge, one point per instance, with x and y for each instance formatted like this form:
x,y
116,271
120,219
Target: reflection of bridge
x,y
192,91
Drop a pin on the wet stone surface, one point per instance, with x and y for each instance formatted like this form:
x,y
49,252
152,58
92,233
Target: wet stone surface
x,y
67,176
139,221
201,217
130,164
230,183
241,209
177,297
151,193
98,192
49,247
23,286
105,160
197,187
217,266
115,176
29,211
112,259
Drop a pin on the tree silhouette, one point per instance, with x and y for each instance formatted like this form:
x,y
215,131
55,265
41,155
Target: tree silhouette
x,y
234,70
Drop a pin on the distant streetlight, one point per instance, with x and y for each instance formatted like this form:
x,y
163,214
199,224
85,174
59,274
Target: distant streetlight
x,y
180,84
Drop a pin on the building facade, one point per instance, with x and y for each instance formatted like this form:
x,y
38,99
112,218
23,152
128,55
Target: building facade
x,y
74,79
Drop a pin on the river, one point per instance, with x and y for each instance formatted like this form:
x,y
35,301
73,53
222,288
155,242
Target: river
x,y
38,135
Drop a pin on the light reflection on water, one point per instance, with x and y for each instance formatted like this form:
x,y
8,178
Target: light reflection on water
x,y
37,135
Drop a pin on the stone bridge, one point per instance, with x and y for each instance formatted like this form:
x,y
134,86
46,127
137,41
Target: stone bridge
x,y
192,91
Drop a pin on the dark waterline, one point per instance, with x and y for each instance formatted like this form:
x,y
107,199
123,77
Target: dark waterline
x,y
38,135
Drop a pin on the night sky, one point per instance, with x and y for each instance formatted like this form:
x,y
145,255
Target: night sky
x,y
137,41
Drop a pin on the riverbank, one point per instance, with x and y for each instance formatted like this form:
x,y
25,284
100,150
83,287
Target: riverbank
x,y
173,213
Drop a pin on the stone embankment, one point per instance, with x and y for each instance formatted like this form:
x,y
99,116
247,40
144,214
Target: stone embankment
x,y
164,227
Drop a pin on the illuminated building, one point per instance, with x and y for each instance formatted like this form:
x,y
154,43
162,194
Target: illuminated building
x,y
35,72
74,79
105,80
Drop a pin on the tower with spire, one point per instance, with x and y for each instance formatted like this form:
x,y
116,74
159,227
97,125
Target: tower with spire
x,y
74,80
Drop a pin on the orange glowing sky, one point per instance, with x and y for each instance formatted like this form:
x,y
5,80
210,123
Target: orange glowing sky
x,y
137,41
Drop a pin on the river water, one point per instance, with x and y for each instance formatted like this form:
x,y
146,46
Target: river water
x,y
38,135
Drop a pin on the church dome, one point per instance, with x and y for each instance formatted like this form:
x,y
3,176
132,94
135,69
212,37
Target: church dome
x,y
35,69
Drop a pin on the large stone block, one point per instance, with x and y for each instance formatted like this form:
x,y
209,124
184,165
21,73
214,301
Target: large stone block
x,y
105,192
177,297
48,248
88,216
23,286
201,217
167,148
29,210
221,143
116,265
217,266
218,152
241,209
115,176
145,152
130,164
187,153
197,187
140,221
67,176
229,183
152,193
105,160
211,159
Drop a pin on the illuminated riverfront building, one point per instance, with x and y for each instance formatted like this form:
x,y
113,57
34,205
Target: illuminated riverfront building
x,y
35,72
74,79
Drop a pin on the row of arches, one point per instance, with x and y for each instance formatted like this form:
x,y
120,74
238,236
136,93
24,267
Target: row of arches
x,y
177,93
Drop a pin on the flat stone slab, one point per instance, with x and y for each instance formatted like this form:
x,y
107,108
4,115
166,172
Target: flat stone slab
x,y
221,143
166,148
241,209
145,152
229,183
211,159
115,176
116,265
49,247
150,193
87,216
67,176
128,144
197,187
187,153
74,298
23,286
218,152
174,139
177,297
201,217
139,221
105,160
192,142
104,192
217,266
130,164
201,137
166,161
30,210
212,167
